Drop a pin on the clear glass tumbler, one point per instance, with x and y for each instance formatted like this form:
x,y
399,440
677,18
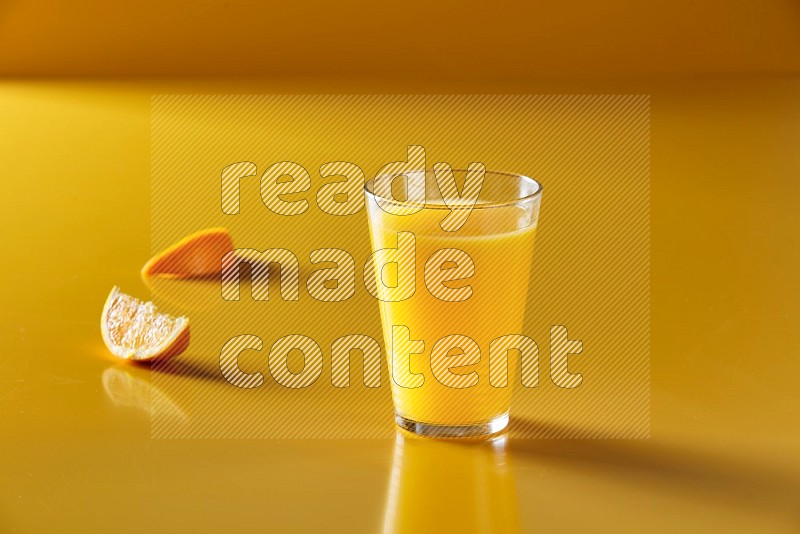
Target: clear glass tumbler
x,y
446,294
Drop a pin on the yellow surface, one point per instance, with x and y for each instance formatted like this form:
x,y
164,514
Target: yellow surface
x,y
725,448
496,308
464,488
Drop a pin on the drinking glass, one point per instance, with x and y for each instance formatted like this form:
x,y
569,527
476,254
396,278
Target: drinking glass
x,y
469,290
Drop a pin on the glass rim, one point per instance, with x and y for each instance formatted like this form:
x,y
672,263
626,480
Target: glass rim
x,y
499,204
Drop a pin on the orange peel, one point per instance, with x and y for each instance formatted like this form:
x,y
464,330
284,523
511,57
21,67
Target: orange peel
x,y
195,256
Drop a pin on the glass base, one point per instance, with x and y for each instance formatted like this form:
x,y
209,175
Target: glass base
x,y
452,431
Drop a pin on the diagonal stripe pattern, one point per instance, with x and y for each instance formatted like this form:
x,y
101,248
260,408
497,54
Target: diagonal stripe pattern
x,y
590,270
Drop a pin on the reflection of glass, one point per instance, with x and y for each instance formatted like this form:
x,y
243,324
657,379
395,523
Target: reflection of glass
x,y
498,239
445,486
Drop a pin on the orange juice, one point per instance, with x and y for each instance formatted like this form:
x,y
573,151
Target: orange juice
x,y
499,240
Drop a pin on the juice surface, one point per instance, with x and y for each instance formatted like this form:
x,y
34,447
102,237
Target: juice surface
x,y
501,253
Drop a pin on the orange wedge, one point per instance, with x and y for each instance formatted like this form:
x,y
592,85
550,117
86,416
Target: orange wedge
x,y
134,330
195,256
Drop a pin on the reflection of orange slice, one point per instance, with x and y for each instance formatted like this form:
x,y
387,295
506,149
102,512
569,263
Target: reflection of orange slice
x,y
126,385
134,330
197,255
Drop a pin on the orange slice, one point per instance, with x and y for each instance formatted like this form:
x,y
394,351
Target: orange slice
x,y
134,330
195,256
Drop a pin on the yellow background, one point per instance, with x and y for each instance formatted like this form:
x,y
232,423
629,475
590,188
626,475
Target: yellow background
x,y
725,447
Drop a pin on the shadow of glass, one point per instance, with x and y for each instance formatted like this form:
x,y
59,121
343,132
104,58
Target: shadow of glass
x,y
451,486
664,468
